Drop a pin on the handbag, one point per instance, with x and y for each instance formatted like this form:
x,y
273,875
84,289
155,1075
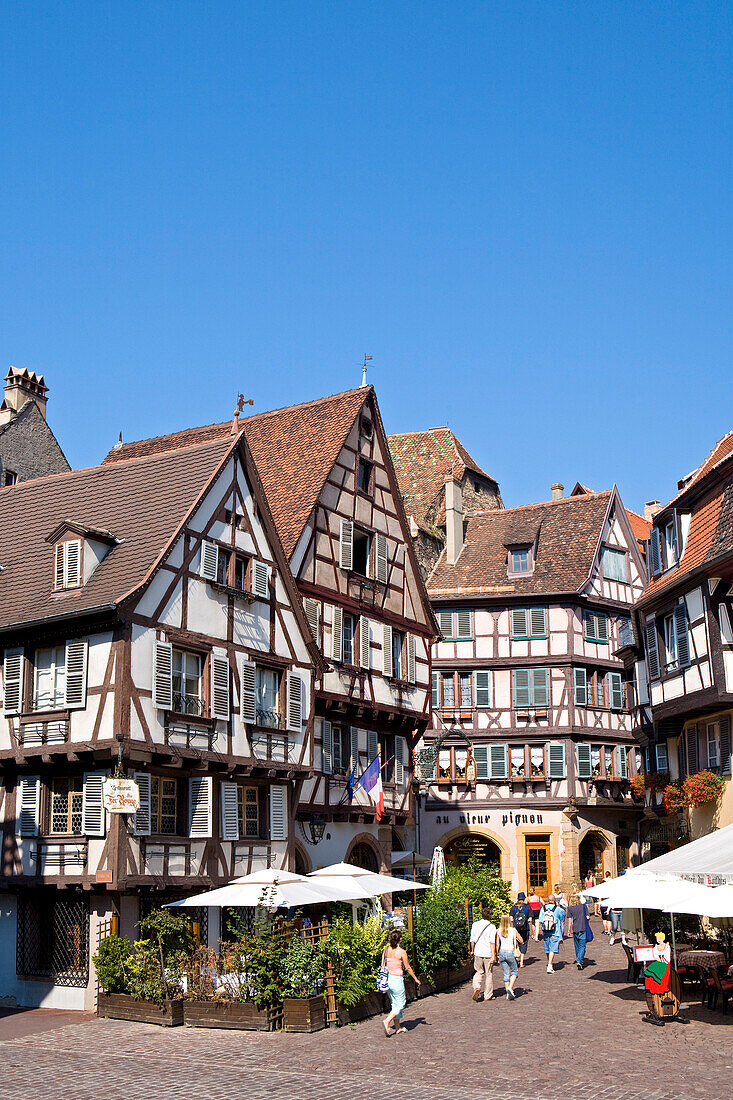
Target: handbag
x,y
588,929
383,978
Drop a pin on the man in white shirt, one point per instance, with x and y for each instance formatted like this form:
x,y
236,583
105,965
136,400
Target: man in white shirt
x,y
483,946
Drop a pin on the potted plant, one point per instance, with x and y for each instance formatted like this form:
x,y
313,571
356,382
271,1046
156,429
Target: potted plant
x,y
674,798
303,974
240,988
355,951
703,787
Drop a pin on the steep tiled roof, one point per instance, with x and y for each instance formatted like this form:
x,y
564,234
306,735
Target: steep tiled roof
x,y
640,526
569,530
142,502
294,449
722,450
423,460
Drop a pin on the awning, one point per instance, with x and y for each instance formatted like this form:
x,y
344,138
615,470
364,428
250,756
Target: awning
x,y
708,860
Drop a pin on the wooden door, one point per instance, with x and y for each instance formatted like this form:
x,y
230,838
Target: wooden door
x,y
538,869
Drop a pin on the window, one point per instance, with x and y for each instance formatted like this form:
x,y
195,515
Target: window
x,y
387,756
361,547
456,690
232,570
528,622
456,626
67,797
50,679
608,761
9,477
367,429
347,635
267,697
670,543
595,761
516,758
445,770
460,762
613,563
399,652
713,744
531,687
520,561
453,765
625,633
53,937
187,690
341,749
248,811
536,761
163,805
670,643
595,626
67,564
661,756
364,476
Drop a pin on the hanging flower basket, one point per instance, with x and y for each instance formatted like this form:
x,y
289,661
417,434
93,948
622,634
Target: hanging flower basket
x,y
703,787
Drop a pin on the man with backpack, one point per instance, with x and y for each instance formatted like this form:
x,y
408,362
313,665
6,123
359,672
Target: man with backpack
x,y
521,915
552,924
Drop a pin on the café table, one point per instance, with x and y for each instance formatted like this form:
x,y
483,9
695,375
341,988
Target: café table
x,y
704,960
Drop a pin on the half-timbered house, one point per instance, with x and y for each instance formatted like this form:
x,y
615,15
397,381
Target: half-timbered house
x,y
147,612
330,482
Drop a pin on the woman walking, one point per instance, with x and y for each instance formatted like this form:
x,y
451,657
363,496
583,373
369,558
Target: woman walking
x,y
534,901
552,923
396,960
577,924
507,942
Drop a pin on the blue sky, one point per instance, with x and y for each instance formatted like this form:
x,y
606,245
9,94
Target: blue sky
x,y
522,211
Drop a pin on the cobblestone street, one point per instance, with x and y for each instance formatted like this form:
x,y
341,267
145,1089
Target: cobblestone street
x,y
569,1034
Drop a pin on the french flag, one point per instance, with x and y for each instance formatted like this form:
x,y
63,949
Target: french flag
x,y
371,781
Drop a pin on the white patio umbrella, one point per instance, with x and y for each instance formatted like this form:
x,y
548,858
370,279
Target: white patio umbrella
x,y
271,888
371,885
703,901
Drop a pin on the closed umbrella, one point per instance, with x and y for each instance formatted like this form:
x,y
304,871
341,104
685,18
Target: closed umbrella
x,y
437,868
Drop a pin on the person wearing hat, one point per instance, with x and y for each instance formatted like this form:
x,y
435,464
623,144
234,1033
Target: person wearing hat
x,y
521,915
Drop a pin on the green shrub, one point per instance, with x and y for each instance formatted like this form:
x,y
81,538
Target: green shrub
x,y
440,934
303,968
482,885
356,953
112,963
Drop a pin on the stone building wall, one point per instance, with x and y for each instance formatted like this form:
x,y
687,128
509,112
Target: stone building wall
x,y
28,447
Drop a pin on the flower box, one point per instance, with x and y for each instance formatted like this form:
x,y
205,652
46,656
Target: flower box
x,y
121,1006
371,1005
239,1015
304,1013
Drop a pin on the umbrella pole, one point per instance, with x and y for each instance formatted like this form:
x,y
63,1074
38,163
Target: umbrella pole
x,y
674,945
414,891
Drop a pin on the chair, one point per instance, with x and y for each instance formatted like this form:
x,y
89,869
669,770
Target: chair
x,y
718,985
634,969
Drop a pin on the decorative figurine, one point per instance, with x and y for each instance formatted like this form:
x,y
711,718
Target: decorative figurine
x,y
662,983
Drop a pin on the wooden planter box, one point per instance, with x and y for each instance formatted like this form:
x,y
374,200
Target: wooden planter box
x,y
241,1015
372,1005
121,1006
304,1013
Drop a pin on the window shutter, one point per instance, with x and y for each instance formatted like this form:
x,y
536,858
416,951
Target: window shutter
x,y
674,546
481,756
200,791
588,624
683,639
92,806
622,762
519,622
399,761
692,753
521,687
29,805
556,760
411,659
372,745
313,615
538,622
725,760
337,634
163,675
229,808
247,691
601,627
364,642
625,633
463,621
346,548
337,743
209,568
58,576
498,756
652,657
381,558
141,826
294,688
436,689
445,622
387,668
278,812
656,551
219,687
617,692
585,769
13,669
326,747
540,690
72,578
353,748
581,687
482,688
261,580
76,674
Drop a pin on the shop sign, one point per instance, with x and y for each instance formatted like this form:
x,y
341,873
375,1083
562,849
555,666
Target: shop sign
x,y
121,796
511,817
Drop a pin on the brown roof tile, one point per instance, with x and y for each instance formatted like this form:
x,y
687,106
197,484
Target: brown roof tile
x,y
423,460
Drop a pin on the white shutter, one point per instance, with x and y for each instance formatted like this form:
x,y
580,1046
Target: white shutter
x,y
364,642
58,576
313,615
229,810
261,580
28,797
387,650
498,758
247,691
399,760
209,567
353,747
76,674
445,622
141,825
519,622
382,565
556,760
585,767
219,687
481,757
294,702
581,687
463,622
13,669
92,806
326,747
538,622
72,572
372,745
482,688
337,634
278,813
616,692
163,675
200,791
346,548
436,689
411,659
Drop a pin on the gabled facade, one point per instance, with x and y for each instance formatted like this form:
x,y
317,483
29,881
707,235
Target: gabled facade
x,y
28,447
684,633
146,609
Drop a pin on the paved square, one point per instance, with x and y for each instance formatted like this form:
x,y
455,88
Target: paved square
x,y
570,1034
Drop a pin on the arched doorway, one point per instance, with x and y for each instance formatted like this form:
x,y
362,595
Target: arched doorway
x,y
590,854
302,862
467,845
363,855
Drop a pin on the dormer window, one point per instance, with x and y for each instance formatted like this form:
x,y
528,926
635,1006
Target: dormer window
x,y
367,429
521,561
364,477
67,573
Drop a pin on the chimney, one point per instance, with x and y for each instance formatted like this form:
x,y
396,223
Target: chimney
x,y
650,510
21,386
557,490
453,520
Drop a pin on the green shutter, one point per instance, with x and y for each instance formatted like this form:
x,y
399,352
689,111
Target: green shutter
x,y
519,622
540,692
616,692
482,688
520,677
556,760
538,622
499,761
581,687
445,622
585,769
436,690
463,624
481,756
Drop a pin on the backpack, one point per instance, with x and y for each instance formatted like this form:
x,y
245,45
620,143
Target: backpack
x,y
548,921
521,921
